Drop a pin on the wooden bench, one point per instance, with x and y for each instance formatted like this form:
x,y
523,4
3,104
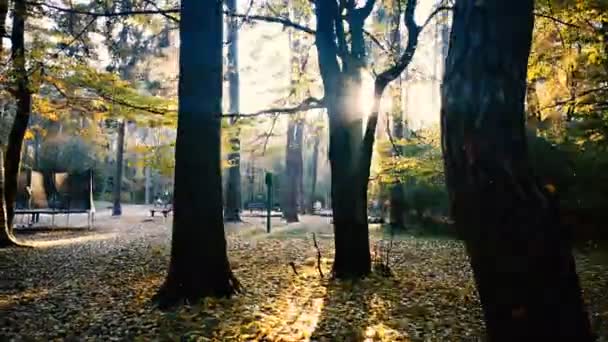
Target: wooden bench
x,y
256,206
164,211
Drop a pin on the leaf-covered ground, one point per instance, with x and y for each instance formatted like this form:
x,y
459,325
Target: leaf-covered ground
x,y
97,285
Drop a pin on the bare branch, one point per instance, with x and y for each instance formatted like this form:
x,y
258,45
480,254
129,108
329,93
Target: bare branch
x,y
278,20
376,41
554,19
571,100
309,103
314,239
434,13
269,134
391,139
166,15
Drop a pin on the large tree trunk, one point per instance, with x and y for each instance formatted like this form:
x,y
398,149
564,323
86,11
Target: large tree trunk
x,y
233,188
23,96
349,199
120,153
6,235
520,253
342,85
199,263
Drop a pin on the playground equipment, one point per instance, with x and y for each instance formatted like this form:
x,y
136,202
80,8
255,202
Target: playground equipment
x,y
53,193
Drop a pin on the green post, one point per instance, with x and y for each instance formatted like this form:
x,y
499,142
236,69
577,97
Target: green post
x,y
268,200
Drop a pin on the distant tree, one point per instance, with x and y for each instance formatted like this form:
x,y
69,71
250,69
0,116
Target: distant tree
x,y
293,170
199,263
233,188
293,191
397,208
118,173
315,135
520,253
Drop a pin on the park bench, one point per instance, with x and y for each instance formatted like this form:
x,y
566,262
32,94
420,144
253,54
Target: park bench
x,y
256,206
164,210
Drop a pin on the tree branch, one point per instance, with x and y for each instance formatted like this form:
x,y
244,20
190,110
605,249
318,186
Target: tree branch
x,y
269,134
571,100
166,15
364,12
105,14
166,12
309,103
434,13
552,18
375,40
279,20
111,99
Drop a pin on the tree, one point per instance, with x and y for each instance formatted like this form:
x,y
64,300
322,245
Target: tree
x,y
120,152
293,170
199,264
342,85
397,208
6,235
316,129
293,191
520,253
350,153
23,97
233,188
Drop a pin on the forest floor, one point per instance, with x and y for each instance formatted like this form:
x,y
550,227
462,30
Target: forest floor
x,y
80,284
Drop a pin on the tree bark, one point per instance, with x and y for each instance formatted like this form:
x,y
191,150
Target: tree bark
x,y
147,185
7,239
23,96
364,157
299,154
314,171
294,165
520,253
293,156
120,148
3,13
199,263
342,85
233,188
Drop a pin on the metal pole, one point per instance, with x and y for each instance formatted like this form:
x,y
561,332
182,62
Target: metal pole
x,y
268,200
